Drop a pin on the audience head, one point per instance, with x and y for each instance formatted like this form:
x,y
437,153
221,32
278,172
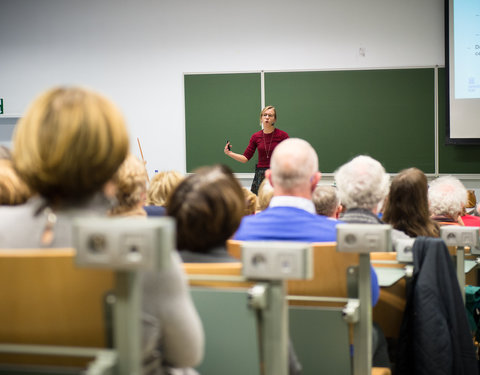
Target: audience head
x,y
326,201
265,194
447,197
131,187
250,201
69,143
406,207
362,183
13,190
294,168
161,187
208,207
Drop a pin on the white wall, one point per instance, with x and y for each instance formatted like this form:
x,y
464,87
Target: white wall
x,y
137,51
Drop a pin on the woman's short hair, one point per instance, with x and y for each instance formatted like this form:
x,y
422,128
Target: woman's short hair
x,y
326,201
131,185
13,190
362,183
447,196
208,207
162,186
406,206
265,194
69,143
268,107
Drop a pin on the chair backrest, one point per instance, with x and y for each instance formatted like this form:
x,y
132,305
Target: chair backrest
x,y
228,322
231,332
329,271
220,275
46,300
319,333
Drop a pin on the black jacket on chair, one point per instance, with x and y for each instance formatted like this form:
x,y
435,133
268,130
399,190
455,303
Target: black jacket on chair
x,y
435,336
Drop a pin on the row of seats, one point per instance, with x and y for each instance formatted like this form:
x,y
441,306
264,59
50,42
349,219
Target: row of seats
x,y
47,300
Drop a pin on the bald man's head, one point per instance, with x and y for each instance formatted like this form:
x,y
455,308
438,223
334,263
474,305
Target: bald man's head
x,y
294,163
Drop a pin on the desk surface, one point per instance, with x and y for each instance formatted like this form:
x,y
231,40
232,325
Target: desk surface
x,y
388,276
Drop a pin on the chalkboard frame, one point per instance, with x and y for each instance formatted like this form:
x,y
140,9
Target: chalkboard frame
x,y
420,144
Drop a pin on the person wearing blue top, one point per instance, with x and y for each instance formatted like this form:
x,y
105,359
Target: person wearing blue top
x,y
291,214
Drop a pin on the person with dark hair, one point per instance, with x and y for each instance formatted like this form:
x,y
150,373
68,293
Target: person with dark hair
x,y
208,207
265,141
406,207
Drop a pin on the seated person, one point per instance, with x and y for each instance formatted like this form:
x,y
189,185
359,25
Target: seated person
x,y
291,214
447,198
362,185
131,188
67,147
159,190
406,207
326,201
207,206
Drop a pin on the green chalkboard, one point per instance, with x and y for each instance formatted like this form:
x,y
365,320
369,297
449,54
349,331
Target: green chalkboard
x,y
388,114
453,158
220,107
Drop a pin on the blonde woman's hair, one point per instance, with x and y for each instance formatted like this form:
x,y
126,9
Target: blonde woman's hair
x,y
265,194
69,143
13,190
131,185
161,187
250,201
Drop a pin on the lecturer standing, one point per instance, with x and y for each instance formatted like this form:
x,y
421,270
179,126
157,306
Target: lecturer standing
x,y
265,141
